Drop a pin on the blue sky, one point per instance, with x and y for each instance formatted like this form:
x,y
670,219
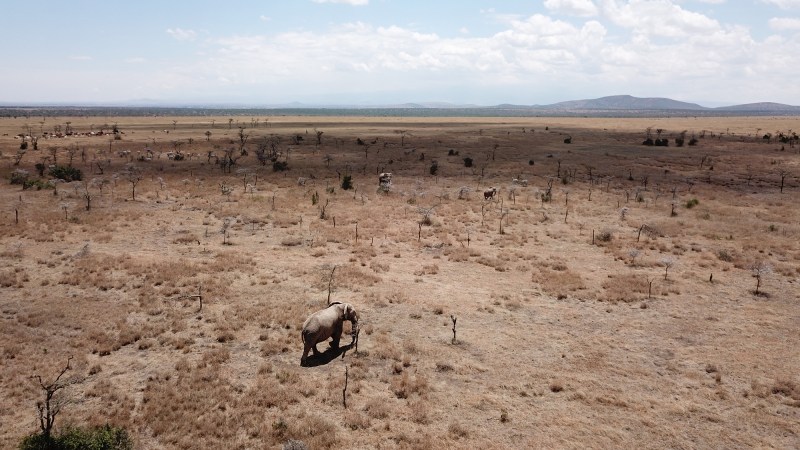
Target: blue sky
x,y
713,52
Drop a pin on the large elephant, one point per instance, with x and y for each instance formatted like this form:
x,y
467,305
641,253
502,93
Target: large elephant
x,y
327,323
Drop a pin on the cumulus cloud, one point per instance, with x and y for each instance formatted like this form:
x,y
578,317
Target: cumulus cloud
x,y
345,2
658,18
181,34
784,4
582,8
784,24
656,45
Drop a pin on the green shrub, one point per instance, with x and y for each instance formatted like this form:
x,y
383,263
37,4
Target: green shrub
x,y
66,173
76,438
19,176
692,203
36,184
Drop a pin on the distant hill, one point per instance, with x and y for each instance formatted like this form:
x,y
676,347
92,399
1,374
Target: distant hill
x,y
761,107
626,102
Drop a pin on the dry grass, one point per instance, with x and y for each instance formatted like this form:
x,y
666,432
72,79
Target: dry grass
x,y
560,343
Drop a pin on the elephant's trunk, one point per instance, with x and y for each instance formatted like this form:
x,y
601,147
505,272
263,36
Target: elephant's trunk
x,y
354,331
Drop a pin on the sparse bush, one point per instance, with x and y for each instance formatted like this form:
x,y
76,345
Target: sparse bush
x,y
347,182
293,444
458,430
724,255
605,236
19,176
280,166
692,203
66,173
434,168
75,438
38,184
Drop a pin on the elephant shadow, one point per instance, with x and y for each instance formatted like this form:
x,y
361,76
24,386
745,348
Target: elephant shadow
x,y
327,356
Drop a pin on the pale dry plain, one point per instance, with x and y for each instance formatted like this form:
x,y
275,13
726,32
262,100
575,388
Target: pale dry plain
x,y
561,342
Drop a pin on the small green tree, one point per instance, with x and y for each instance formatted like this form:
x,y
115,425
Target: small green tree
x,y
66,173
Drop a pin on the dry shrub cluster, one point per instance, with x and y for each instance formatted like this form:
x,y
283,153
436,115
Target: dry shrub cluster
x,y
624,288
557,280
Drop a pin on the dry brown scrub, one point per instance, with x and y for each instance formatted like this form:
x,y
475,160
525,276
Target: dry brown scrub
x,y
575,329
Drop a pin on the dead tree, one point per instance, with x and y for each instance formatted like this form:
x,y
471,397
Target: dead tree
x,y
454,319
243,137
133,175
330,282
759,269
783,173
53,402
198,296
344,390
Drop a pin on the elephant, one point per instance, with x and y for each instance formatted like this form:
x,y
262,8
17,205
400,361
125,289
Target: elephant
x,y
327,323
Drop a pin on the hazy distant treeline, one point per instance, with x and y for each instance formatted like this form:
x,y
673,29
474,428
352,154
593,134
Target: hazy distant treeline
x,y
120,111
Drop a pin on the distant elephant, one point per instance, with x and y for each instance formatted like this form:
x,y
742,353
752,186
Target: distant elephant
x,y
327,323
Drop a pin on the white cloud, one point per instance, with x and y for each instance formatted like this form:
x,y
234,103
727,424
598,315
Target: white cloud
x,y
784,24
659,48
582,8
658,18
81,58
345,2
264,18
784,4
181,34
135,60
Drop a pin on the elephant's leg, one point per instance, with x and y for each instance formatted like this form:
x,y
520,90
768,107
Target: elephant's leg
x,y
314,349
336,336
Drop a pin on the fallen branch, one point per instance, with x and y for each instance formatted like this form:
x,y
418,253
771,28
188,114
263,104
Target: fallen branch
x,y
198,296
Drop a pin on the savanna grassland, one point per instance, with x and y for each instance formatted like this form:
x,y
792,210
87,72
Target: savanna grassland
x,y
626,296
